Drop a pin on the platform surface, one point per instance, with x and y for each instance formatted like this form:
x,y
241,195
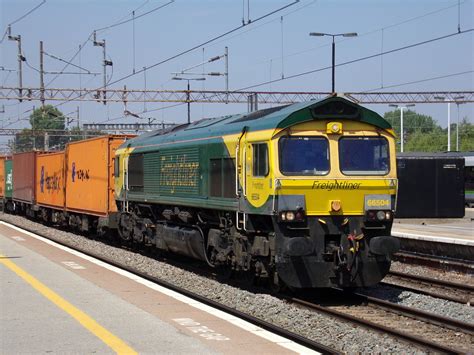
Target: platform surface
x,y
56,301
450,230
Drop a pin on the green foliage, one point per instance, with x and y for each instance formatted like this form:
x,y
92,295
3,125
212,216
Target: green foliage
x,y
47,124
47,117
422,134
412,122
466,136
435,141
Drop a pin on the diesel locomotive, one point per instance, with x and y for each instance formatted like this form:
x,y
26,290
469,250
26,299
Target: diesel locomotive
x,y
302,195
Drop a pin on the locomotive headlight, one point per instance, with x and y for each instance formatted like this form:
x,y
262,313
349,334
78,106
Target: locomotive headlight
x,y
381,215
292,216
334,128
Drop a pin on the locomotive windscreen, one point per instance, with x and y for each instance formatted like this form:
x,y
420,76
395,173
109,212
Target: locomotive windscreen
x,y
363,156
304,155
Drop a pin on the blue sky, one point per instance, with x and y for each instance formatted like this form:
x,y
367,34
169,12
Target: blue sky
x,y
259,52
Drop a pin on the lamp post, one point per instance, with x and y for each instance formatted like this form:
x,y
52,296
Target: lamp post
x,y
188,92
449,120
457,123
401,122
320,34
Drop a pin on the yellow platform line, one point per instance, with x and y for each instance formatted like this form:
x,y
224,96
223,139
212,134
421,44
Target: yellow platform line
x,y
118,345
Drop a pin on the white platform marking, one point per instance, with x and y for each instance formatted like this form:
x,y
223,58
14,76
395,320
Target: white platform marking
x,y
18,239
203,330
73,265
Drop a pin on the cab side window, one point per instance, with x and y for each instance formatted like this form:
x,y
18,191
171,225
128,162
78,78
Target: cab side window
x,y
260,160
135,172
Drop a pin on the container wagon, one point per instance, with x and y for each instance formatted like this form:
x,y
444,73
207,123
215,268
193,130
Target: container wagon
x,y
89,181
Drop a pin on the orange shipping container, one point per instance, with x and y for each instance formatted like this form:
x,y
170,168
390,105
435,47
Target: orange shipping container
x,y
89,175
2,177
50,180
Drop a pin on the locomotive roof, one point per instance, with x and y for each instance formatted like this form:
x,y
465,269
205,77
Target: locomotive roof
x,y
281,117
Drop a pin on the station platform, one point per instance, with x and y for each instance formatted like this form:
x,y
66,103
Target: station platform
x,y
453,238
55,300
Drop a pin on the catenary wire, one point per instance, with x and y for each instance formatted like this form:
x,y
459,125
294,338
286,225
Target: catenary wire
x,y
202,44
358,59
136,17
363,34
65,61
420,81
81,47
177,55
21,18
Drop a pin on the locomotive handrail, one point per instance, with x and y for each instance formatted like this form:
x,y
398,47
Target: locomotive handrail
x,y
244,171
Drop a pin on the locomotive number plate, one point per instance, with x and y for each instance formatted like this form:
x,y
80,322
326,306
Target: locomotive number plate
x,y
378,202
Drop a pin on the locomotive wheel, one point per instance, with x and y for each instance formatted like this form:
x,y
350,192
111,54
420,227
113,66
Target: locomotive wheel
x,y
276,284
224,272
249,278
125,227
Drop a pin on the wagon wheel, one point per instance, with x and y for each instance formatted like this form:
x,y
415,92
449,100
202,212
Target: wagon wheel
x,y
224,273
276,284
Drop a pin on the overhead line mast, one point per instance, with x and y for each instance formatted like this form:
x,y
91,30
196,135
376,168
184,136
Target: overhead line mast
x,y
21,59
105,63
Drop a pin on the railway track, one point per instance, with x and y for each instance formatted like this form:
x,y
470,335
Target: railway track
x,y
446,290
308,343
427,331
446,264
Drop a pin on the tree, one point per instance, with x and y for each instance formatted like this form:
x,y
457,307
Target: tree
x,y
24,141
466,136
415,126
434,141
47,123
47,118
412,122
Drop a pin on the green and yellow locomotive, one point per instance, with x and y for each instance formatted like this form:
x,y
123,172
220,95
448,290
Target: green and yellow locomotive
x,y
302,195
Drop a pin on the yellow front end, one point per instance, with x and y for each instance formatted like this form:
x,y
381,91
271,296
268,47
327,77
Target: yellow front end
x,y
334,196
335,191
